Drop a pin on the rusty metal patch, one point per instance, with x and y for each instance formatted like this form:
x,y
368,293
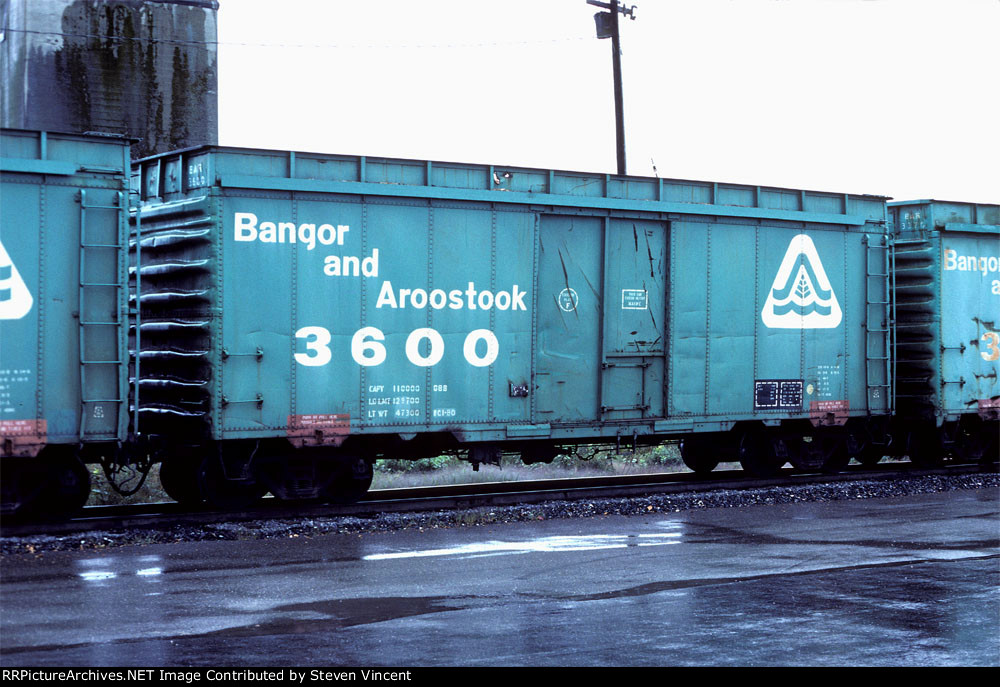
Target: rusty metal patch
x,y
989,408
23,437
322,429
824,413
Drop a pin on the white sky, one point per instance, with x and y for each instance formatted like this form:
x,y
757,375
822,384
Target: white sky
x,y
891,97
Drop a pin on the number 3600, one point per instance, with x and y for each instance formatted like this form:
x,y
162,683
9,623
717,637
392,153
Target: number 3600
x,y
367,348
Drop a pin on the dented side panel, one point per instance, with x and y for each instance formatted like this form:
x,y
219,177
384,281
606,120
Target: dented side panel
x,y
970,321
342,295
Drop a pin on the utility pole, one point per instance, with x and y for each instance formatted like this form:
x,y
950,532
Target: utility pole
x,y
607,27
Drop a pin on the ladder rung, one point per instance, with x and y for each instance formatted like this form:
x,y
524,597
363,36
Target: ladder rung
x,y
101,245
103,207
102,400
101,362
101,283
100,323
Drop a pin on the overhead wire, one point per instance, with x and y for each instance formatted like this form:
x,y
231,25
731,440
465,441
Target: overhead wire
x,y
337,46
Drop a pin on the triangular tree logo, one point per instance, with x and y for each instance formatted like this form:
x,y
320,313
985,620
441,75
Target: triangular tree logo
x,y
802,296
15,299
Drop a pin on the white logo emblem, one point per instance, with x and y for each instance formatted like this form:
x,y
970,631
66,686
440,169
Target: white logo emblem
x,y
802,297
568,299
15,299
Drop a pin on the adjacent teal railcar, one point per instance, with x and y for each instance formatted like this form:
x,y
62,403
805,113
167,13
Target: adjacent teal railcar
x,y
304,314
947,349
63,313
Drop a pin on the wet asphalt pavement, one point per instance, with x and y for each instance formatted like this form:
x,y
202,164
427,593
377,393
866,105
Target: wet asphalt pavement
x,y
907,581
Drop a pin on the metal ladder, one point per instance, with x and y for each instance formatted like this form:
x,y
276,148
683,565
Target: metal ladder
x,y
90,330
878,329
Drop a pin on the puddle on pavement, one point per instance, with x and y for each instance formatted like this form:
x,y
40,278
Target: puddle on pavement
x,y
556,544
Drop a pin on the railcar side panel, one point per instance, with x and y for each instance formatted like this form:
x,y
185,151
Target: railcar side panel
x,y
341,296
970,331
63,295
635,325
731,316
689,308
947,257
569,304
771,321
23,423
948,300
377,315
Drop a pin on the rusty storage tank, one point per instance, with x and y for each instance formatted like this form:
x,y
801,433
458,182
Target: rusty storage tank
x,y
63,313
947,347
345,308
147,69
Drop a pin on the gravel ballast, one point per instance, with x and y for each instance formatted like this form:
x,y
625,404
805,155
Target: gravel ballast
x,y
490,515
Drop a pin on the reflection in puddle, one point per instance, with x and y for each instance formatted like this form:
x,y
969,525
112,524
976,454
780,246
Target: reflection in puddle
x,y
544,545
96,575
122,566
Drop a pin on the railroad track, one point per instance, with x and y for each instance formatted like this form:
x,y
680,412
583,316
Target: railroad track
x,y
459,496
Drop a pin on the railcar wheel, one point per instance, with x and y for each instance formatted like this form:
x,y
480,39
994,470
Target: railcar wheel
x,y
871,455
179,479
757,455
219,490
809,454
67,488
700,454
838,459
991,443
969,449
970,442
21,484
826,452
925,449
351,482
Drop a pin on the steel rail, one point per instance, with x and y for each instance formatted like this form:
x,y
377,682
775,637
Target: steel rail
x,y
458,497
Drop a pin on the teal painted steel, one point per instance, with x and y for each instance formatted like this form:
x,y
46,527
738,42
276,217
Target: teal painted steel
x,y
327,295
63,298
640,204
38,166
731,325
948,302
321,173
569,307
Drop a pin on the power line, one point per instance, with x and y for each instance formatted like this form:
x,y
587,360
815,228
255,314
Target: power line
x,y
335,46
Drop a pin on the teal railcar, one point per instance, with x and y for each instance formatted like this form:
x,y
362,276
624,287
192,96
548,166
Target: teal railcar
x,y
63,312
947,348
305,314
